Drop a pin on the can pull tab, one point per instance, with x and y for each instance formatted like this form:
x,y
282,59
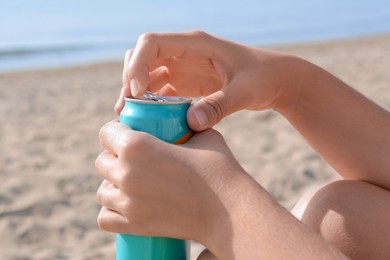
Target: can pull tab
x,y
150,96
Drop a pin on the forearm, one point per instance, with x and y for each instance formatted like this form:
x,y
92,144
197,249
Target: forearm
x,y
347,129
262,229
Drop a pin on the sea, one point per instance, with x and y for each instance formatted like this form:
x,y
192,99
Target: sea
x,y
56,33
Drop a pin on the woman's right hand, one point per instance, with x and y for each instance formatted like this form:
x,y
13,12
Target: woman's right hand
x,y
229,76
188,191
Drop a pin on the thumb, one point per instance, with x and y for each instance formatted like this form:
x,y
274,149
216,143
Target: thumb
x,y
210,110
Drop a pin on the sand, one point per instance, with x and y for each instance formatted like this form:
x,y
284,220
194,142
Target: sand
x,y
48,144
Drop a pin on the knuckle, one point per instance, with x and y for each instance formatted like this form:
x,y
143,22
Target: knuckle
x,y
99,194
98,161
215,109
199,33
128,54
123,141
103,131
123,175
134,142
147,37
126,145
99,197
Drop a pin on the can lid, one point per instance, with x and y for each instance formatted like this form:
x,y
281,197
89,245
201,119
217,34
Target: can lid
x,y
151,98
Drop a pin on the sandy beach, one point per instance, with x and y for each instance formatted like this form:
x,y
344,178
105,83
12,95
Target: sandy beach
x,y
49,141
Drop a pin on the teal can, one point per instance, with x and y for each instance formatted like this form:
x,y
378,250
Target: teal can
x,y
165,118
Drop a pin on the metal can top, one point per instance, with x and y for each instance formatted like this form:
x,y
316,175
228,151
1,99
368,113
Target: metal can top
x,y
150,98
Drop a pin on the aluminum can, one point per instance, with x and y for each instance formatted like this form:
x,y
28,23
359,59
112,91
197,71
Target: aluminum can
x,y
165,118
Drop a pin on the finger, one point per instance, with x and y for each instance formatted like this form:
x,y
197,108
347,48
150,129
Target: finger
x,y
114,136
110,217
152,47
125,91
160,83
105,164
108,195
111,221
158,79
125,80
167,90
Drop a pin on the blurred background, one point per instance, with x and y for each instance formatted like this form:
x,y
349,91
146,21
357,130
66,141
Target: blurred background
x,y
44,33
60,76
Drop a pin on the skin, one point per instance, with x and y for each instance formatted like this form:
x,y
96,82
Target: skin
x,y
199,191
352,215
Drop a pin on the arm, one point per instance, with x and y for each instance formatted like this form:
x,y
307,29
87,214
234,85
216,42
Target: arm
x,y
262,229
347,129
232,215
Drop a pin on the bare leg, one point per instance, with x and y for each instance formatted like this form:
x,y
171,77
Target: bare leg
x,y
354,216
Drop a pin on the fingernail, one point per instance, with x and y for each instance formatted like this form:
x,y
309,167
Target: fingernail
x,y
201,117
133,87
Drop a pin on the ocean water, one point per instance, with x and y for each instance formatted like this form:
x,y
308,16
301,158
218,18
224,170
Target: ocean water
x,y
46,33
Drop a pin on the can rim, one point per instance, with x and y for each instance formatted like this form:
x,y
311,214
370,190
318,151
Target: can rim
x,y
168,100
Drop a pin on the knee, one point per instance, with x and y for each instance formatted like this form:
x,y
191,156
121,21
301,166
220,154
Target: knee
x,y
332,202
318,205
346,214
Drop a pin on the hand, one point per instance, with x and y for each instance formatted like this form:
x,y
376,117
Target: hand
x,y
230,76
158,189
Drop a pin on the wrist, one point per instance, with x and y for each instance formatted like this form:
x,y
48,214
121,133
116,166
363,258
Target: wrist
x,y
296,78
224,225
